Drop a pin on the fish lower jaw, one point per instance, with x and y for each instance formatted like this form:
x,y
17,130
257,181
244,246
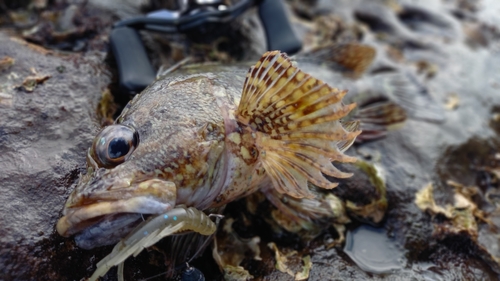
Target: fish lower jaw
x,y
78,219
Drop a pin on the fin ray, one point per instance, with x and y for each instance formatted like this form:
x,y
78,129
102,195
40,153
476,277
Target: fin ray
x,y
307,163
318,149
351,126
282,179
295,121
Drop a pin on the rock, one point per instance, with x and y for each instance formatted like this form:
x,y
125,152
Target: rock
x,y
44,135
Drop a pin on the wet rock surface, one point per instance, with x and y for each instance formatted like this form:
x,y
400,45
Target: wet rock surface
x,y
48,104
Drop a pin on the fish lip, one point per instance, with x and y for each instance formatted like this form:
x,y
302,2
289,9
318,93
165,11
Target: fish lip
x,y
107,230
122,194
74,219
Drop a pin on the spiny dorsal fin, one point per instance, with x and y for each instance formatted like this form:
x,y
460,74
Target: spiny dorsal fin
x,y
295,120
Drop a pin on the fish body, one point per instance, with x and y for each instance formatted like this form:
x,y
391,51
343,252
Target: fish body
x,y
203,140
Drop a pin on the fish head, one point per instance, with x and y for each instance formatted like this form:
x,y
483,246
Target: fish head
x,y
136,166
114,192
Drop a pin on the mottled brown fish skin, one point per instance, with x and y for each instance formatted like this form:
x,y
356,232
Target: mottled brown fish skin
x,y
181,135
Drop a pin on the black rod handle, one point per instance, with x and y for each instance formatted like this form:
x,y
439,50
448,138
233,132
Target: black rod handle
x,y
279,32
134,68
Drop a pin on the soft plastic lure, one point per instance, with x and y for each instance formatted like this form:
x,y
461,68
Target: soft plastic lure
x,y
150,231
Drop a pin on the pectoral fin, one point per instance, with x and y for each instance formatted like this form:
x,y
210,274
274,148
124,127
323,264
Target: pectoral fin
x,y
295,120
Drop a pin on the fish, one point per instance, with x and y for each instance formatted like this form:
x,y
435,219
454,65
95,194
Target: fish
x,y
195,141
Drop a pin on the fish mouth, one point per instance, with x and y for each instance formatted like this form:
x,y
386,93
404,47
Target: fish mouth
x,y
78,219
103,217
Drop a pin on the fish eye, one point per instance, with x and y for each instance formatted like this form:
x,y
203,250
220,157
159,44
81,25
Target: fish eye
x,y
113,145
